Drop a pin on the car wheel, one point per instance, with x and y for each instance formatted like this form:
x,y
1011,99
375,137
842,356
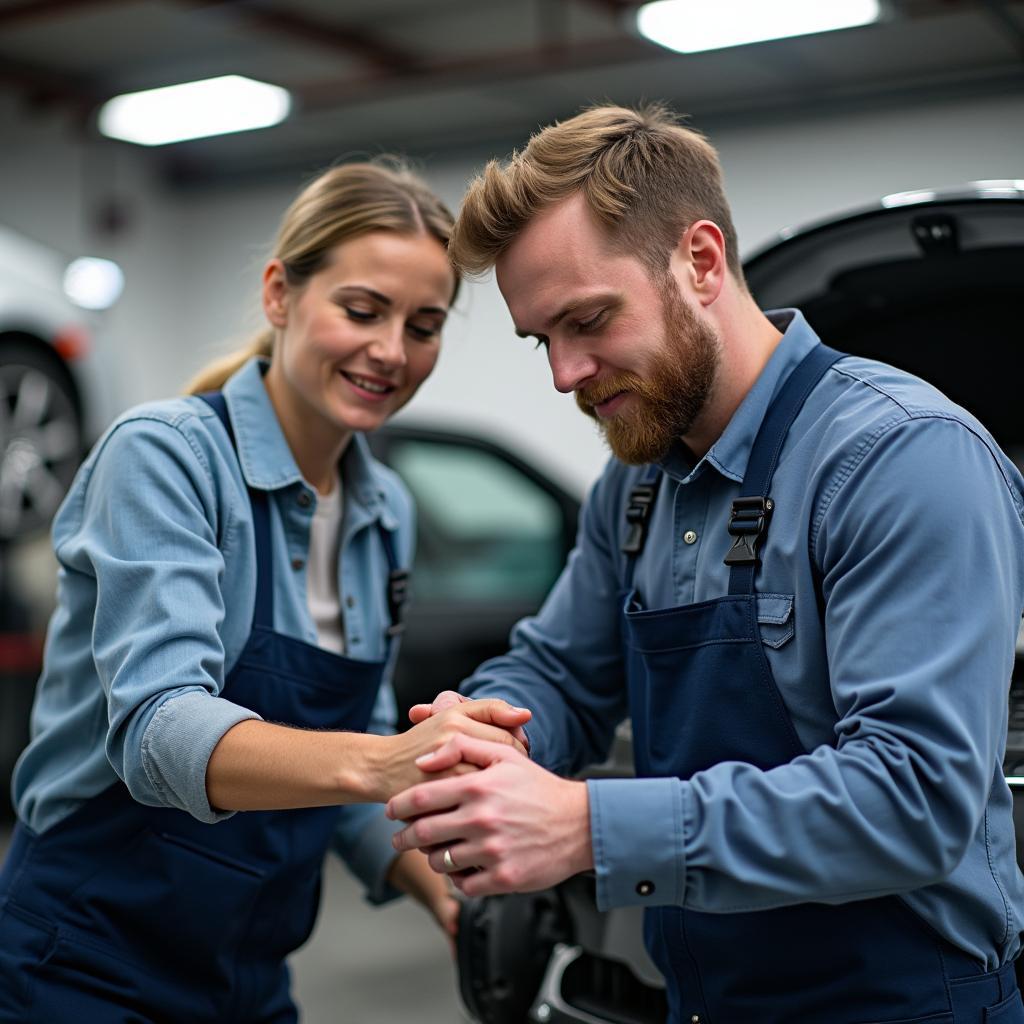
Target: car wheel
x,y
41,439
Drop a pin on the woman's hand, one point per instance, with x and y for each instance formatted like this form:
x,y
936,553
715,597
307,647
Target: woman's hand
x,y
411,873
452,698
392,766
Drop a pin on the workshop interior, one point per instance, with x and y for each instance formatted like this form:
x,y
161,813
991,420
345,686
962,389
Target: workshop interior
x,y
875,169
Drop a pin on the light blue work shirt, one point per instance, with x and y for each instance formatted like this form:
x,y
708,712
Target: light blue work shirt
x,y
901,506
156,590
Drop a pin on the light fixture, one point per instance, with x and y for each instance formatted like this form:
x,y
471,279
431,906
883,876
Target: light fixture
x,y
689,26
194,110
93,283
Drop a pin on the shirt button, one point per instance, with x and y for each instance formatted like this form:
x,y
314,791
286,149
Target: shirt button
x,y
644,888
690,537
304,499
297,563
350,601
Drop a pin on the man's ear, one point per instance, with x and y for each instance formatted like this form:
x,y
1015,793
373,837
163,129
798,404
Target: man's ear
x,y
700,258
275,293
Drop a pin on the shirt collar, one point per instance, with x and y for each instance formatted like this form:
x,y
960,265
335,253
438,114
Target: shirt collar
x,y
266,459
731,452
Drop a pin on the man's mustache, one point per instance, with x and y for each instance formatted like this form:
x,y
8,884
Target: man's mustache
x,y
594,394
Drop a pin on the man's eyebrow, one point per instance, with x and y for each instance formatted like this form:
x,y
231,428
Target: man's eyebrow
x,y
385,301
566,310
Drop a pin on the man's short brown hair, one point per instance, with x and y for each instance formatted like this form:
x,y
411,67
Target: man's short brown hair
x,y
643,174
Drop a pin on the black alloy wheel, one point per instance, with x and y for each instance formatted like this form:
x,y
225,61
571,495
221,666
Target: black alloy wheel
x,y
40,437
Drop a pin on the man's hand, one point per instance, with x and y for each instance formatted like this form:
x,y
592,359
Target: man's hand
x,y
394,766
512,827
450,699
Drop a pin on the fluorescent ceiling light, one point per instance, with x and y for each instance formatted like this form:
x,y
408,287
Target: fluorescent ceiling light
x,y
688,26
194,110
93,283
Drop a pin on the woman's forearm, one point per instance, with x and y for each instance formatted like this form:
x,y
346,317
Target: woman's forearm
x,y
263,766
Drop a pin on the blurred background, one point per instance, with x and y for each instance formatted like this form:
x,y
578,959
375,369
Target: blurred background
x,y
924,95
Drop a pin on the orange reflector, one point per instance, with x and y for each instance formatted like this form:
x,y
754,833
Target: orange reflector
x,y
71,343
20,653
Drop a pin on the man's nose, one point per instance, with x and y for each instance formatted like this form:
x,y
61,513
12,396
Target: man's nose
x,y
571,366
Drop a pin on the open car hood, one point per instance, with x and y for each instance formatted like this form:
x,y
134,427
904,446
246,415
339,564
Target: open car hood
x,y
928,281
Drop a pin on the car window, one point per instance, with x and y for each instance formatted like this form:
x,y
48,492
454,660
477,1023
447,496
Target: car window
x,y
485,529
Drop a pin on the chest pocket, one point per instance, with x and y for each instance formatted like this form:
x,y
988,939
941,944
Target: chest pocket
x,y
775,619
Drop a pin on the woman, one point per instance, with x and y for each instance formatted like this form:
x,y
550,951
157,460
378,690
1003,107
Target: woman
x,y
231,578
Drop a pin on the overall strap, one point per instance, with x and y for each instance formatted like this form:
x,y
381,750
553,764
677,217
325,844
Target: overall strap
x,y
263,613
752,511
398,585
638,514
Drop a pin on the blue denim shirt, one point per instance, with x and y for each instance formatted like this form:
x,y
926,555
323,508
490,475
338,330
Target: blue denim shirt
x,y
912,520
156,589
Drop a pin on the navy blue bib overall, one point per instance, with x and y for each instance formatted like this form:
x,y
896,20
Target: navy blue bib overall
x,y
125,913
701,692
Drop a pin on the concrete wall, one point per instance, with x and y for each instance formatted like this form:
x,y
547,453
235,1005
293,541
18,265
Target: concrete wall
x,y
192,259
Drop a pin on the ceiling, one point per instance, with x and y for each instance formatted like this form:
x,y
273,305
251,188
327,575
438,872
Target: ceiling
x,y
434,77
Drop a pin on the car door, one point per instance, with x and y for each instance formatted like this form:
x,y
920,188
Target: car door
x,y
493,533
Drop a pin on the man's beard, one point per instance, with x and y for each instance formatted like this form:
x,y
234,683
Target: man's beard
x,y
666,405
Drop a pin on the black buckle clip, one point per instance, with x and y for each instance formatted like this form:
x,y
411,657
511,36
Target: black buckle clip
x,y
637,513
398,589
748,525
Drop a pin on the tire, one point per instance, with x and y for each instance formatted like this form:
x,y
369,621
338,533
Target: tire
x,y
41,439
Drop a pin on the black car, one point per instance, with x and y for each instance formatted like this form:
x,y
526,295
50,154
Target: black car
x,y
927,281
492,536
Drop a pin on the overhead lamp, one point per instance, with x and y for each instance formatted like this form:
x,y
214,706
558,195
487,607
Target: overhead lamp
x,y
93,283
689,26
194,110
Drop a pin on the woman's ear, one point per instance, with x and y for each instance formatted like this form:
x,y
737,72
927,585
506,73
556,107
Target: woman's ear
x,y
700,258
275,293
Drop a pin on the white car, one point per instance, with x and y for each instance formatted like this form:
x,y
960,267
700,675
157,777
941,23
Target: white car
x,y
53,393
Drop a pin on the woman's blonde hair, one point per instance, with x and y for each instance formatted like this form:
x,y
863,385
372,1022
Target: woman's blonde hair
x,y
643,175
341,204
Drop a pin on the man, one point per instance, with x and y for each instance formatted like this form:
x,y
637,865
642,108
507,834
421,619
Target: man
x,y
801,575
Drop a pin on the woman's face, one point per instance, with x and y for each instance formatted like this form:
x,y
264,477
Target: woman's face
x,y
360,336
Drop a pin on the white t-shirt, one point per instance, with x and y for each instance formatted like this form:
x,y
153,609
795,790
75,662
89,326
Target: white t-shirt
x,y
322,570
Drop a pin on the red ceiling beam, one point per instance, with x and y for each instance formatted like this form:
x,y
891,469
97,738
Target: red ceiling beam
x,y
26,11
484,69
352,42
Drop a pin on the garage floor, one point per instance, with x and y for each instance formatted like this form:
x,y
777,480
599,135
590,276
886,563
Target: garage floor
x,y
362,965
367,965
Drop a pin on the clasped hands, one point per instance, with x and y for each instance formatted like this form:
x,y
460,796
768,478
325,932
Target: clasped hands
x,y
492,820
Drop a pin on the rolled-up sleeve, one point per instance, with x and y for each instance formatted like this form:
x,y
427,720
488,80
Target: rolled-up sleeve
x,y
148,535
